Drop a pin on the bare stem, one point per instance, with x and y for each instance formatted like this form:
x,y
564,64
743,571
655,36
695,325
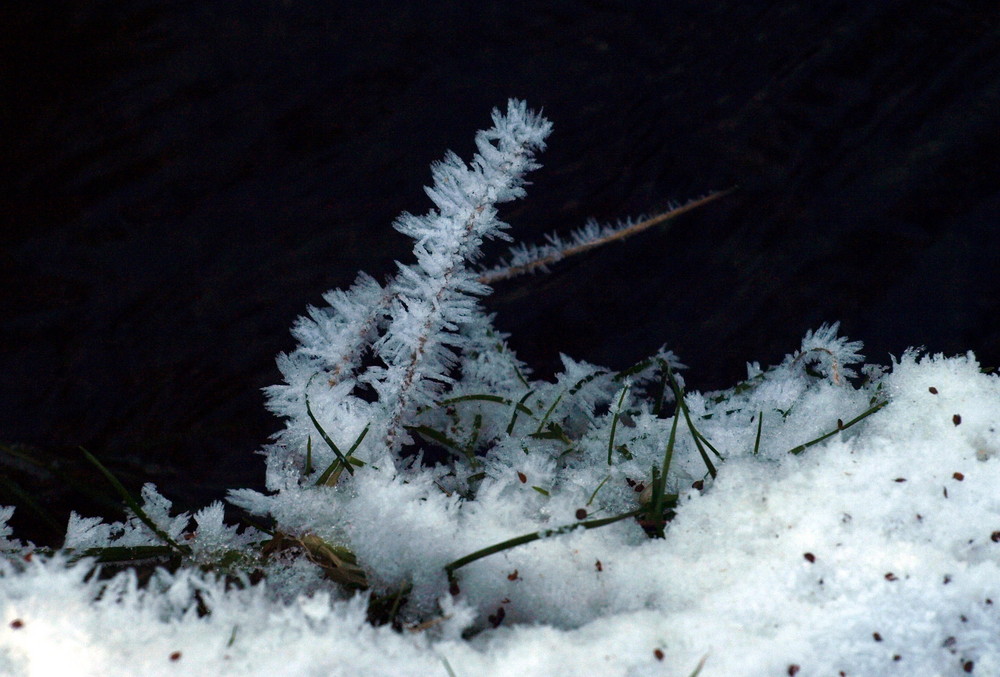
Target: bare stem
x,y
514,271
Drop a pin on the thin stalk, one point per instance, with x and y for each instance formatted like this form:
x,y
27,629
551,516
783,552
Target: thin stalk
x,y
614,423
520,405
134,505
332,472
528,538
594,495
802,447
322,432
760,424
660,483
679,397
513,271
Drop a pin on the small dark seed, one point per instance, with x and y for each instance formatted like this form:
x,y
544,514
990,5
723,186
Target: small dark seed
x,y
640,487
840,424
810,557
629,481
989,601
793,669
897,657
945,491
995,537
175,656
581,514
454,589
521,476
497,619
598,565
932,390
877,637
899,479
947,579
17,624
956,419
890,576
699,485
512,576
959,476
968,665
658,653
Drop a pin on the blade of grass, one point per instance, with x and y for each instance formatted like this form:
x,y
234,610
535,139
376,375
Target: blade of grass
x,y
444,440
679,397
520,404
760,425
126,553
28,501
528,538
134,505
491,398
614,422
594,495
660,482
334,469
802,447
326,438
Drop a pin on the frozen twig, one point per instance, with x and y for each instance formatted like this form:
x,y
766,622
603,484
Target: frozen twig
x,y
531,258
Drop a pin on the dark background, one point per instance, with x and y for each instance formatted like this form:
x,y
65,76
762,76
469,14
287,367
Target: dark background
x,y
181,179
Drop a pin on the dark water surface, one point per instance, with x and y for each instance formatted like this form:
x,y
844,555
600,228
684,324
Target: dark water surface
x,y
180,179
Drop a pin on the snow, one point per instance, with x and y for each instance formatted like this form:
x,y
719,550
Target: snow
x,y
781,561
826,516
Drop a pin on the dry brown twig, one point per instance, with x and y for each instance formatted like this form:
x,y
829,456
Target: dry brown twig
x,y
513,271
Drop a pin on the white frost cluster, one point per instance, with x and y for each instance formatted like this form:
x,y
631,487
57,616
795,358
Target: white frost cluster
x,y
824,516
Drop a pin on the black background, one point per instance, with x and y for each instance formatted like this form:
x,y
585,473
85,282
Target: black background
x,y
181,179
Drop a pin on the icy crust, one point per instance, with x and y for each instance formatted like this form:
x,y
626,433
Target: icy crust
x,y
873,551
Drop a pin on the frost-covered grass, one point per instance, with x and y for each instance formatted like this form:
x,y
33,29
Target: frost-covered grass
x,y
432,509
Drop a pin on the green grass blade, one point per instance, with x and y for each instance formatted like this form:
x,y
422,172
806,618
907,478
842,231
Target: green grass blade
x,y
679,397
701,664
491,398
660,482
840,428
614,422
594,495
125,553
445,441
28,501
760,425
326,438
451,568
134,505
335,468
519,407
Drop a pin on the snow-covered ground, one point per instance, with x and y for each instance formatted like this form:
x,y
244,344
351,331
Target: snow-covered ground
x,y
871,553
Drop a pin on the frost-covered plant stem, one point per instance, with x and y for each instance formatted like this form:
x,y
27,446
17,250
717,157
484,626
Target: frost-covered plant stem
x,y
436,294
531,258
